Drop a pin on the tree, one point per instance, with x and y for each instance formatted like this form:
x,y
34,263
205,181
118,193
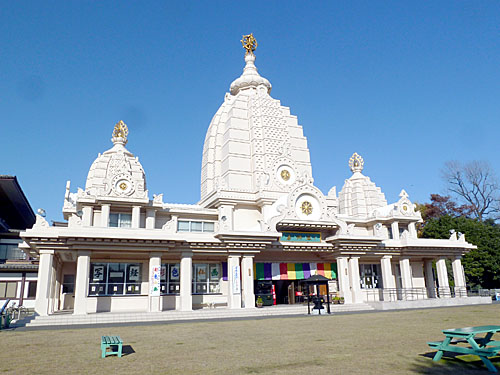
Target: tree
x,y
443,205
482,265
475,184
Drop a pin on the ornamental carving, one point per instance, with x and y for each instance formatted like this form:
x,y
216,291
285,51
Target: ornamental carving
x,y
356,163
120,130
249,43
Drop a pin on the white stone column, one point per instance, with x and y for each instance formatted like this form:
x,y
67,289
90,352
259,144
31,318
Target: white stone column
x,y
58,284
388,280
343,279
406,281
105,208
150,218
395,230
459,277
88,216
44,282
186,298
234,282
357,295
247,283
154,301
136,216
53,287
82,282
442,274
430,283
226,213
413,230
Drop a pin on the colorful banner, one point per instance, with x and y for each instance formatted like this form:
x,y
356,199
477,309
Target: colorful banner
x,y
155,281
275,271
307,270
283,271
224,271
293,271
236,280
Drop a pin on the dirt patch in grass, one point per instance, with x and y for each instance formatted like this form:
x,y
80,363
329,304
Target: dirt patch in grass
x,y
372,343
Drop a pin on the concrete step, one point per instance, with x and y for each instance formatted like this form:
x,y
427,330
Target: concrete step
x,y
216,313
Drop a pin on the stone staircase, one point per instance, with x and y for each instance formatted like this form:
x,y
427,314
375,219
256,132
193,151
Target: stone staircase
x,y
107,318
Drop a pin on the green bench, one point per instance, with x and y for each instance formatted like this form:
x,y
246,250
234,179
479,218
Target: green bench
x,y
109,342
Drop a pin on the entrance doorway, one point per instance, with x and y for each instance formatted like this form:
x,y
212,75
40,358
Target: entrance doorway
x,y
290,291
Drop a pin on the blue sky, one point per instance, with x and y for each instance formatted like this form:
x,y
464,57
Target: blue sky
x,y
408,85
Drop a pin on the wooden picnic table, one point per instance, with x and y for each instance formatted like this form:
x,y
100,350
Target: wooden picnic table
x,y
483,347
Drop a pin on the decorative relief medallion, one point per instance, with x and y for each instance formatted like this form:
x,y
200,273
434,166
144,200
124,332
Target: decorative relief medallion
x,y
122,185
306,208
285,175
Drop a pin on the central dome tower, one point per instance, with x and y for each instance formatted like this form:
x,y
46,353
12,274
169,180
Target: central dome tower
x,y
254,148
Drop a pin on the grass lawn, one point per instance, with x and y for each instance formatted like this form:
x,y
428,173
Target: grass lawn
x,y
369,343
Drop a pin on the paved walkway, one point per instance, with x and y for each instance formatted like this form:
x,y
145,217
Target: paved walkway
x,y
68,319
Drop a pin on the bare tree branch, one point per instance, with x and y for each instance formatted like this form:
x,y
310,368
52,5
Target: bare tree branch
x,y
475,184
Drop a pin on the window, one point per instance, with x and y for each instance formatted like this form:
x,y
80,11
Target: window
x,y
206,278
195,226
69,284
369,278
11,251
170,278
8,289
114,279
119,220
389,231
32,289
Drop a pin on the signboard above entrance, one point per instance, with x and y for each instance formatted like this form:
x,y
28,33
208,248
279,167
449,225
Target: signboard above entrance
x,y
301,237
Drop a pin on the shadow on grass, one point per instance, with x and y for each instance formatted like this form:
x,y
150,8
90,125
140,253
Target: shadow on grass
x,y
266,369
127,350
452,363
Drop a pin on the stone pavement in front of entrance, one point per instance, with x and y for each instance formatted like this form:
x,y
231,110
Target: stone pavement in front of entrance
x,y
108,318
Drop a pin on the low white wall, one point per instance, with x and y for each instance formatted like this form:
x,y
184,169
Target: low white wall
x,y
430,302
169,302
117,304
371,295
201,300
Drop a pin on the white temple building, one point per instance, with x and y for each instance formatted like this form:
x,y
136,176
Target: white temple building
x,y
259,219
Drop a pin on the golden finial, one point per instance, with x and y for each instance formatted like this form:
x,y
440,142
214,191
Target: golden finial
x,y
356,163
121,130
249,43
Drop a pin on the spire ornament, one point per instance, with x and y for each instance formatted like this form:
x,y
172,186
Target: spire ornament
x,y
120,133
249,44
356,163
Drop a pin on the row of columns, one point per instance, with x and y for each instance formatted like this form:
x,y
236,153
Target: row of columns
x,y
349,280
239,276
240,282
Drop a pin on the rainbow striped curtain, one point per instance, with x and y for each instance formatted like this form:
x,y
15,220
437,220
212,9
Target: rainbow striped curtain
x,y
293,271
